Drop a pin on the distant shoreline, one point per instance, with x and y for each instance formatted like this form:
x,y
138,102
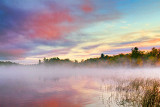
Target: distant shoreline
x,y
136,58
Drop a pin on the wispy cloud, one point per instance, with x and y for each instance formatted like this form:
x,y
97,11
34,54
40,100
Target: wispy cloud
x,y
26,25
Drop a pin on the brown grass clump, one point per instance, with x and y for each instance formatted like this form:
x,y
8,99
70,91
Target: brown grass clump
x,y
138,93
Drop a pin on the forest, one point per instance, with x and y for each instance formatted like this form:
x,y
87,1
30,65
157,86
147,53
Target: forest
x,y
8,63
135,58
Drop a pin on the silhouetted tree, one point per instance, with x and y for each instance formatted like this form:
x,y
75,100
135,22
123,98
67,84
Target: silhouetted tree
x,y
40,62
135,53
44,60
102,55
154,52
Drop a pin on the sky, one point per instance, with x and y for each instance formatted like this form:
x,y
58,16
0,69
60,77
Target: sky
x,y
76,29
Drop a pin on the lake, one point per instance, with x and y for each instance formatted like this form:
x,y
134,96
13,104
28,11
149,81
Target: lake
x,y
61,86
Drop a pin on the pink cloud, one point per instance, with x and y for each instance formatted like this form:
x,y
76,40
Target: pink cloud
x,y
51,25
87,7
12,53
56,22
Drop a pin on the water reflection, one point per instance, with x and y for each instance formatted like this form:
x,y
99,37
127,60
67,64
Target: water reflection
x,y
57,88
48,92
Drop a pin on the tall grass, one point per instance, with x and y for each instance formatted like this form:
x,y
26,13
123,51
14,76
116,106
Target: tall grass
x,y
137,93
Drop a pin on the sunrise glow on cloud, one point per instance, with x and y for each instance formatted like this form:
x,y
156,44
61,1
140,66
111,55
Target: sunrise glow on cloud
x,y
76,29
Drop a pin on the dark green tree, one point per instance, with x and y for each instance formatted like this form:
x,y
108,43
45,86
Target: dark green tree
x,y
135,53
102,56
154,52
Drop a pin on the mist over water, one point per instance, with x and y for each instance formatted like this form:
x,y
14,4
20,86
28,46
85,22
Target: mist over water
x,y
63,86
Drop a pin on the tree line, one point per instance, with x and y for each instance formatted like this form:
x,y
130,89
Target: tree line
x,y
7,63
135,58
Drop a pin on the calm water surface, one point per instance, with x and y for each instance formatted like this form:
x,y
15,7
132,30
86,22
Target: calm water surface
x,y
58,87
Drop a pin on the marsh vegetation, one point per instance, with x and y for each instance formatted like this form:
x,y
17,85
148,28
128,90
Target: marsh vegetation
x,y
137,92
